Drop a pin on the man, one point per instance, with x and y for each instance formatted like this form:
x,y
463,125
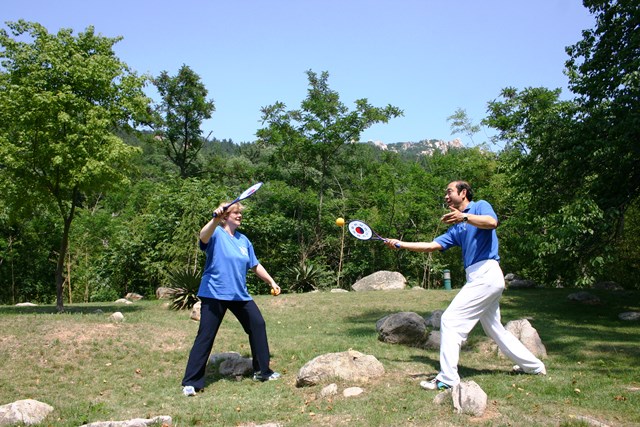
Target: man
x,y
473,228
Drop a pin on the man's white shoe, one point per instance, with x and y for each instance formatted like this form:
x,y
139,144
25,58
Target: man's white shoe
x,y
518,370
434,384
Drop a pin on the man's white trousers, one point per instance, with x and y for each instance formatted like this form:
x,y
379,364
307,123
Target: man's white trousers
x,y
478,300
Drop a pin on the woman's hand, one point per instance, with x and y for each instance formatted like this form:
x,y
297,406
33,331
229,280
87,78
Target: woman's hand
x,y
275,289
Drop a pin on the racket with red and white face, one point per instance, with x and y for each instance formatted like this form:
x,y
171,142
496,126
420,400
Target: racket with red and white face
x,y
245,194
361,231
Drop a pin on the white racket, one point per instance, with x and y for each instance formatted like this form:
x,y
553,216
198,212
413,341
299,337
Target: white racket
x,y
245,194
361,231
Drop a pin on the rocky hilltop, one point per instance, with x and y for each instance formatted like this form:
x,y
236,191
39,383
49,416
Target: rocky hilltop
x,y
426,147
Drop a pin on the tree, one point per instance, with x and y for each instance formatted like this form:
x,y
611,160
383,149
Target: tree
x,y
183,108
460,122
604,71
61,99
574,164
312,135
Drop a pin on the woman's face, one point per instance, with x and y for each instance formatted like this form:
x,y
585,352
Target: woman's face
x,y
234,216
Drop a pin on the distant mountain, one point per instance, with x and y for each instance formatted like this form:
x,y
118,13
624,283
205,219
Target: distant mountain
x,y
420,148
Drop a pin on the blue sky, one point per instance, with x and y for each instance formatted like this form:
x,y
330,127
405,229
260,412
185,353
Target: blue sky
x,y
427,57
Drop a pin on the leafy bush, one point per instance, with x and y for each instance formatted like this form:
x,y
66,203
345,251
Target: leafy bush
x,y
103,292
185,284
309,277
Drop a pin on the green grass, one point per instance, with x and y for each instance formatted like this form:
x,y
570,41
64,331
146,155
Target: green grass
x,y
89,369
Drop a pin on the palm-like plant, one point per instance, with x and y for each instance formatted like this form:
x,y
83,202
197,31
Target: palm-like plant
x,y
308,277
185,284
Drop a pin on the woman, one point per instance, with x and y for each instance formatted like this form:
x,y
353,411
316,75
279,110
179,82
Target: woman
x,y
229,255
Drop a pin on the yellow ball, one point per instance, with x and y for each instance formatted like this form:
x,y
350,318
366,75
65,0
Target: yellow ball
x,y
340,222
273,292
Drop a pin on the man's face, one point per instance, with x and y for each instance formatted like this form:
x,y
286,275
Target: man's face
x,y
451,196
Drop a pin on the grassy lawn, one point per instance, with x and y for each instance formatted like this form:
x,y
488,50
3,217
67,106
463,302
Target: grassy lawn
x,y
90,370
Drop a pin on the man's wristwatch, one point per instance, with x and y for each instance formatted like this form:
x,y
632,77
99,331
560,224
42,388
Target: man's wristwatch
x,y
465,218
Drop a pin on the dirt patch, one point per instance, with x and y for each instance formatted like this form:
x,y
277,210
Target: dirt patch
x,y
79,333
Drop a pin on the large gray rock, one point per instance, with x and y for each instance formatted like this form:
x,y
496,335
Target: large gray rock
x,y
608,286
195,311
117,317
513,281
528,335
433,341
584,297
469,398
132,296
26,411
435,319
165,293
405,327
629,315
231,364
466,398
381,281
349,365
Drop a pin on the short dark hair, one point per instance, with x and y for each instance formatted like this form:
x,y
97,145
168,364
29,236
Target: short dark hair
x,y
464,185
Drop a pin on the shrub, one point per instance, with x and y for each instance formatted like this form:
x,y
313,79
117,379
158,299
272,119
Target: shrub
x,y
185,284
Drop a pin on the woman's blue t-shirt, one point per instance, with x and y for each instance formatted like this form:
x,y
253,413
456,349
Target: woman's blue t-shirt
x,y
229,258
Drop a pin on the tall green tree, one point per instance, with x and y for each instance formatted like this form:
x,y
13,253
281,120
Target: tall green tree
x,y
604,71
183,108
574,164
61,99
310,137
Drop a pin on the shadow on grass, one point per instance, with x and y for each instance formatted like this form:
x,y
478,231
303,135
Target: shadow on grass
x,y
577,330
70,309
568,329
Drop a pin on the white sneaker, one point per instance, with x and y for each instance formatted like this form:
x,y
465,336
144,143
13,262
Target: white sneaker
x,y
434,384
257,376
188,390
518,370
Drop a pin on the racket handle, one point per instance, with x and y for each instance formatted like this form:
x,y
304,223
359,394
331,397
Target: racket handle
x,y
397,245
224,209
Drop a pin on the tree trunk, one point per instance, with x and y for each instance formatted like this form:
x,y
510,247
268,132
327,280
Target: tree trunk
x,y
64,244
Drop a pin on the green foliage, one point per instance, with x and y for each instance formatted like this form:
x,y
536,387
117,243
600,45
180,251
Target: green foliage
x,y
185,284
183,108
461,122
61,98
308,276
573,165
103,292
564,187
308,140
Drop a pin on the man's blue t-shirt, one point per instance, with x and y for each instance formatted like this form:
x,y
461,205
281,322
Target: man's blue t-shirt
x,y
477,244
229,258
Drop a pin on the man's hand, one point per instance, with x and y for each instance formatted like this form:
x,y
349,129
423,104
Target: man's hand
x,y
453,217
